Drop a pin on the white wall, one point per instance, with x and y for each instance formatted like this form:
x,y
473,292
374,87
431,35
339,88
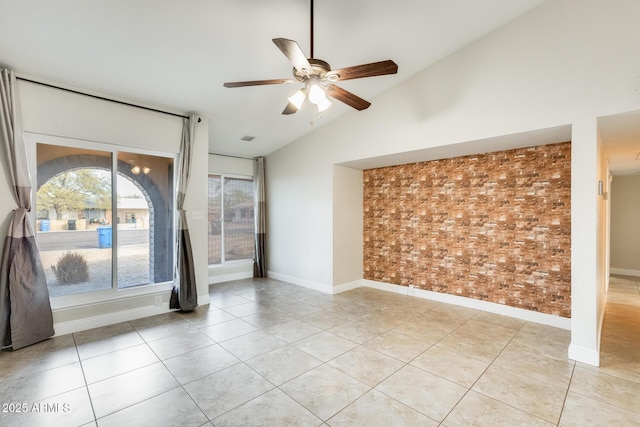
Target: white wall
x,y
347,225
625,225
602,263
585,218
563,63
55,112
230,165
299,183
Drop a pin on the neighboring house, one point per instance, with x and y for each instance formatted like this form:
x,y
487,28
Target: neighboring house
x,y
134,211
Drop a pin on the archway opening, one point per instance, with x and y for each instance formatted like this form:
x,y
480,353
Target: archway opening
x,y
78,216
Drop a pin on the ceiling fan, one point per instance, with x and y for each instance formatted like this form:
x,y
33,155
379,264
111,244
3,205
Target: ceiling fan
x,y
319,78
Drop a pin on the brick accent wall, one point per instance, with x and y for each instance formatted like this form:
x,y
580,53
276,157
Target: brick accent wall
x,y
494,227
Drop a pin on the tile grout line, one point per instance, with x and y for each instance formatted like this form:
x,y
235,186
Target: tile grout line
x,y
180,385
244,362
484,371
566,395
86,384
409,364
326,363
145,343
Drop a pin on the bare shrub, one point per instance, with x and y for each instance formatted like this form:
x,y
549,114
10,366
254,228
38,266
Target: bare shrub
x,y
71,268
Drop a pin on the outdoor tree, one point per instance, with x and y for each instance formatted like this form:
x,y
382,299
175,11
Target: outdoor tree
x,y
75,190
238,193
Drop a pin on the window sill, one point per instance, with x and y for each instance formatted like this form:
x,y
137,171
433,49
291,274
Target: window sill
x,y
101,297
231,264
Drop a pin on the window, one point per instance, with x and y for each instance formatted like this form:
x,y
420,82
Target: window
x,y
104,216
231,226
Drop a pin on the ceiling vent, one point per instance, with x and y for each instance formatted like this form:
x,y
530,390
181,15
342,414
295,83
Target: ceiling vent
x,y
247,138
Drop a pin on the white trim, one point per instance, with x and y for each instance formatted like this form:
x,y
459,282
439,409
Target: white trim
x,y
385,287
327,289
86,323
234,270
347,286
71,142
625,272
223,177
71,302
584,355
491,307
64,328
232,175
90,298
229,277
204,299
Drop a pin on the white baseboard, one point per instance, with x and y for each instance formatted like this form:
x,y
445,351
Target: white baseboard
x,y
204,299
229,272
624,272
327,289
584,355
491,307
385,287
69,327
86,323
347,286
229,277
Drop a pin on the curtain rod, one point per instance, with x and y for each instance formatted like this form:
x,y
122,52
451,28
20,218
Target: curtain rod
x,y
104,98
235,157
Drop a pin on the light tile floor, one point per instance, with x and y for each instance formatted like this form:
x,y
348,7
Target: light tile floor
x,y
273,354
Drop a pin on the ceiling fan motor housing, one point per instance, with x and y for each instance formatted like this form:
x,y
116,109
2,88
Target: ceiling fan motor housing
x,y
319,68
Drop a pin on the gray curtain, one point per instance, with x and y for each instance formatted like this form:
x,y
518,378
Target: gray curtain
x,y
25,310
185,294
260,262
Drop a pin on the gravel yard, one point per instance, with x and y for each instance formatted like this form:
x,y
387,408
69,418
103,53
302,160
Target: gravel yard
x,y
133,269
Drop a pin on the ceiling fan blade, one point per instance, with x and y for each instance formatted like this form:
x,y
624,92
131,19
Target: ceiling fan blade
x,y
365,70
292,51
290,109
258,82
347,97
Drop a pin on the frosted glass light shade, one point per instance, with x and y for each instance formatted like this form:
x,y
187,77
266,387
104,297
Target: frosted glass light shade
x,y
323,105
316,94
297,99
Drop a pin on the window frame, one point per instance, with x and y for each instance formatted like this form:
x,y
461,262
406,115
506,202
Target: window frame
x,y
223,262
114,293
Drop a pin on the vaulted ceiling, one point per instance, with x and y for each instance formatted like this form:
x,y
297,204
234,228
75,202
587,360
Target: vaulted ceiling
x,y
176,55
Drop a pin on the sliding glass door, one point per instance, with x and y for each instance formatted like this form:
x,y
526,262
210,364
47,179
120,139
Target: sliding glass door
x,y
231,219
104,216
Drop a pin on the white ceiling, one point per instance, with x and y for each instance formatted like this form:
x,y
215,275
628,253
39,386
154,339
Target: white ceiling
x,y
176,55
620,136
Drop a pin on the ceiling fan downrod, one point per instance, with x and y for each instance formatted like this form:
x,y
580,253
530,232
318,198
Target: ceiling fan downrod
x,y
316,72
311,26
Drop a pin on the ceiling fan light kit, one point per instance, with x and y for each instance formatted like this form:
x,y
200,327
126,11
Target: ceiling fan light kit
x,y
318,77
297,98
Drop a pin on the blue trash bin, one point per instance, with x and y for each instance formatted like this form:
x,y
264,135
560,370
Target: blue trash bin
x,y
104,237
45,225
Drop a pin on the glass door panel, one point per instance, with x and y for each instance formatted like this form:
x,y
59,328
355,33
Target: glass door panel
x,y
73,214
144,219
